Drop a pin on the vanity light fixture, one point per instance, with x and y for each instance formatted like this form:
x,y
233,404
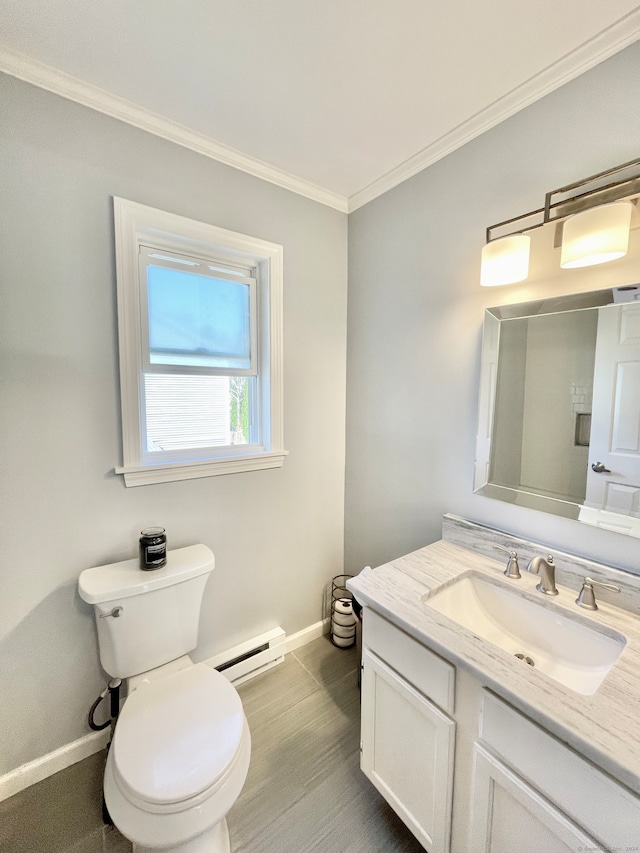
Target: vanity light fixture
x,y
505,261
596,236
594,216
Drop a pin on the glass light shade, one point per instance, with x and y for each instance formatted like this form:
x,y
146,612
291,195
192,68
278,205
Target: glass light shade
x,y
596,236
505,261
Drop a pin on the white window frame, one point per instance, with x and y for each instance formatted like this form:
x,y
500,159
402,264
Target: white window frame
x,y
136,226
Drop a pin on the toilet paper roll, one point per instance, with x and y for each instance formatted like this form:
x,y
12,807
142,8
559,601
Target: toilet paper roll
x,y
343,606
343,642
342,631
345,619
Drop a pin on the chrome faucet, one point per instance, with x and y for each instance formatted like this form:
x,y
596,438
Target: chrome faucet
x,y
547,571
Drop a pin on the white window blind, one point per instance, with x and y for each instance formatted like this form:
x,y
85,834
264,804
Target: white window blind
x,y
201,316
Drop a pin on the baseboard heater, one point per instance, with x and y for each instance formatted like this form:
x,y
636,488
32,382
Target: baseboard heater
x,y
251,658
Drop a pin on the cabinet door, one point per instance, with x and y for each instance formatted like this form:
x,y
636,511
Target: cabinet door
x,y
407,752
507,815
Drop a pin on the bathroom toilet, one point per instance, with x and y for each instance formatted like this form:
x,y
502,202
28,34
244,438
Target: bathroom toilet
x,y
181,748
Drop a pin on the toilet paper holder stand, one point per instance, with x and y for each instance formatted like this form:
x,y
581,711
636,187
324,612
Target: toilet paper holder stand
x,y
343,620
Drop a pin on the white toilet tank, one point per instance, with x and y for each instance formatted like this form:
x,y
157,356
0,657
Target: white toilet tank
x,y
147,618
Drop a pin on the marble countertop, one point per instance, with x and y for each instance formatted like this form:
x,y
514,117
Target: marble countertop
x,y
604,727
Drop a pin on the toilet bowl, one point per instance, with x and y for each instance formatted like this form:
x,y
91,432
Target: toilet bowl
x,y
178,761
181,748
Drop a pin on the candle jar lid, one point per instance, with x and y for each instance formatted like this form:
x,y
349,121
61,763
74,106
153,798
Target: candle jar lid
x,y
152,531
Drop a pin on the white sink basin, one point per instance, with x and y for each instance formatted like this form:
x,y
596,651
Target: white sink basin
x,y
570,650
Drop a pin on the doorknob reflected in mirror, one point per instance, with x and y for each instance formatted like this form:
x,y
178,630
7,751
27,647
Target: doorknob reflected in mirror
x,y
599,468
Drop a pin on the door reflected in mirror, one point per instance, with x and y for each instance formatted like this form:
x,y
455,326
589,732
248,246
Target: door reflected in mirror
x,y
559,419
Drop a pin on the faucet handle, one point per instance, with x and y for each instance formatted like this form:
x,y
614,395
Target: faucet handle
x,y
513,569
587,598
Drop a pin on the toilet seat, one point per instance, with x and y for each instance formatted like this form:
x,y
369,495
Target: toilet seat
x,y
177,740
151,827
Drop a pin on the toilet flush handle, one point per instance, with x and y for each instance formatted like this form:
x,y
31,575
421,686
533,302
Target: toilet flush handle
x,y
117,611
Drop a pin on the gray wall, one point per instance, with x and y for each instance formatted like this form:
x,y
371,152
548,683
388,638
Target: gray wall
x,y
561,352
508,423
277,535
416,309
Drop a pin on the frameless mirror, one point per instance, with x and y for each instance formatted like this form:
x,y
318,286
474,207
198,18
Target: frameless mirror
x,y
559,412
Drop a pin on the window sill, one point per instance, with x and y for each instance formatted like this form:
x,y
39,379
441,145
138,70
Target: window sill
x,y
146,474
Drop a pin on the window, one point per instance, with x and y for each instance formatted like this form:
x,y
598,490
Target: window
x,y
200,332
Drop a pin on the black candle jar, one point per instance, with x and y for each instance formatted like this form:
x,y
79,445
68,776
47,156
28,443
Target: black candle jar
x,y
153,548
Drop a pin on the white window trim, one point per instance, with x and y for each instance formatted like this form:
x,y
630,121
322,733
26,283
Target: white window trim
x,y
135,225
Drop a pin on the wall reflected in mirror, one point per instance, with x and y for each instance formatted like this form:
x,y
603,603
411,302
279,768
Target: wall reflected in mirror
x,y
559,414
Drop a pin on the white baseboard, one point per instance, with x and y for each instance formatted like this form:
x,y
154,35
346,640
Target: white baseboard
x,y
301,638
35,771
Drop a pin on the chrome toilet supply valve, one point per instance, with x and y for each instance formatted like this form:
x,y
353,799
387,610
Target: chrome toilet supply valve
x,y
513,569
587,598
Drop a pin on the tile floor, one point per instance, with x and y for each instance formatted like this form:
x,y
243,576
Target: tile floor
x,y
304,792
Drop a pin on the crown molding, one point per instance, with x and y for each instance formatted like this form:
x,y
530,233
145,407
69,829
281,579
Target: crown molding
x,y
73,89
615,38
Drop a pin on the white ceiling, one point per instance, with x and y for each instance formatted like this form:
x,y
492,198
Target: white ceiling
x,y
337,99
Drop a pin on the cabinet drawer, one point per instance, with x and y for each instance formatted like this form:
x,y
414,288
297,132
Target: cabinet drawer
x,y
429,673
603,807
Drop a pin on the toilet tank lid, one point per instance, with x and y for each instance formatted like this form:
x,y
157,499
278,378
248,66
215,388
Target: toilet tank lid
x,y
125,579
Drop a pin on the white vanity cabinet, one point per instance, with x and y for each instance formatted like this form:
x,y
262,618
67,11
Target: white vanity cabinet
x,y
518,789
530,792
509,815
407,738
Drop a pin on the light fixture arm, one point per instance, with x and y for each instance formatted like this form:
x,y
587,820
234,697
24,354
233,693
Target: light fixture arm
x,y
596,209
594,193
522,217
